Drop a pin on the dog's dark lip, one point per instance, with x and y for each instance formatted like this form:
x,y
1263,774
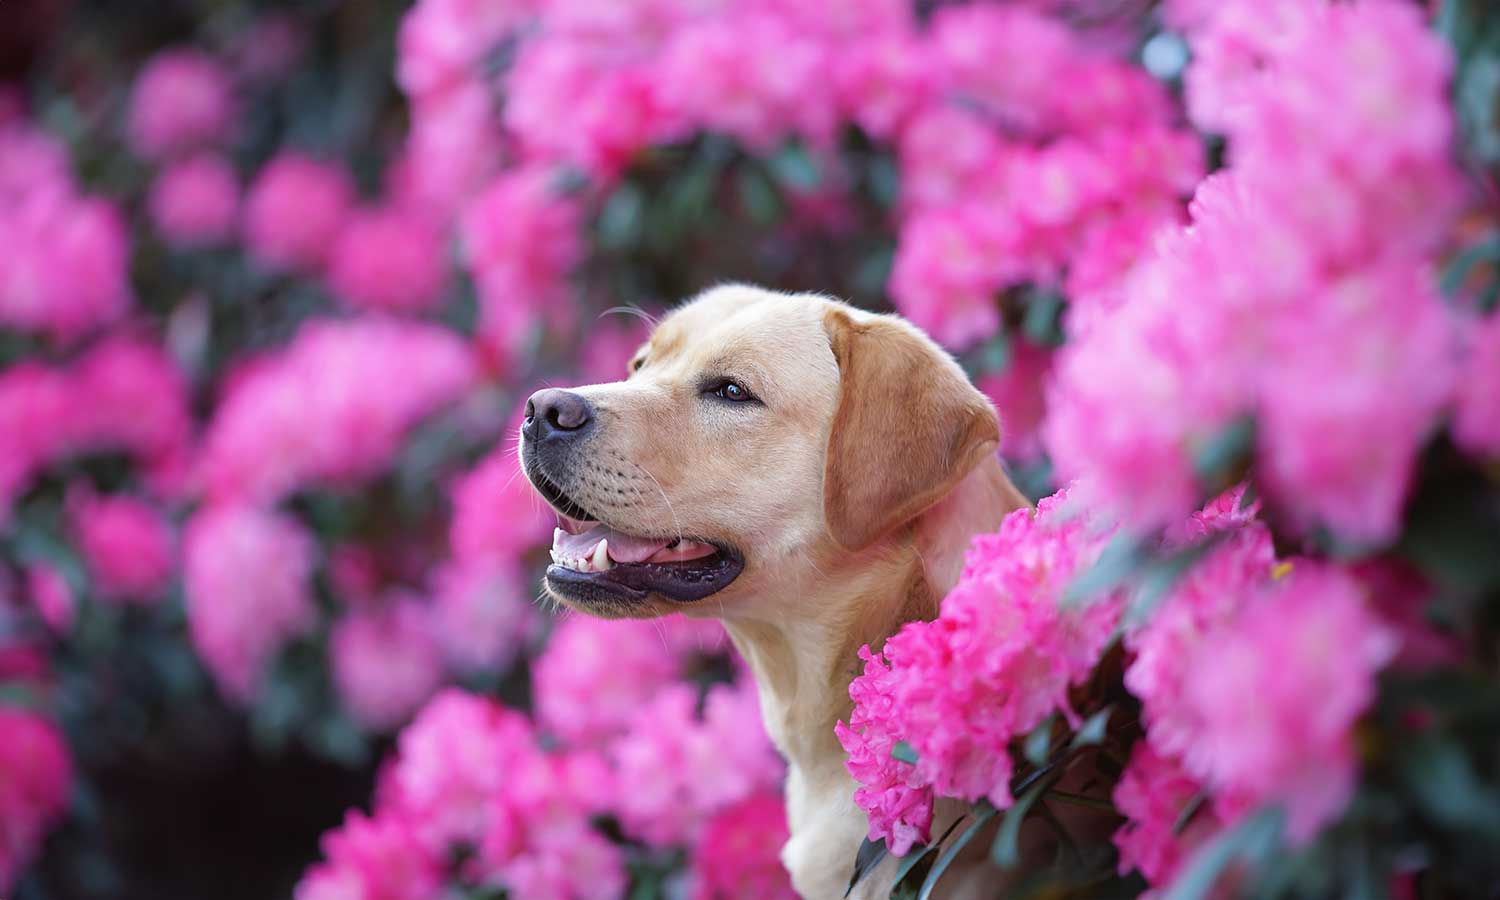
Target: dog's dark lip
x,y
560,502
634,583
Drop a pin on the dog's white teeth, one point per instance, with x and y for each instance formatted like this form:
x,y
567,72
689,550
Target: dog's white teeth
x,y
601,561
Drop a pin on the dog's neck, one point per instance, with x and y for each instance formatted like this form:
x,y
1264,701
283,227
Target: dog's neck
x,y
805,652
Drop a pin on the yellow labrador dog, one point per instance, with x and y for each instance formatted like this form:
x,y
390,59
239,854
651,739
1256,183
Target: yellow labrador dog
x,y
805,471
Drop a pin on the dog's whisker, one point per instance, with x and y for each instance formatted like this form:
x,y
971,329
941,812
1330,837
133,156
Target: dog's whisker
x,y
631,311
665,499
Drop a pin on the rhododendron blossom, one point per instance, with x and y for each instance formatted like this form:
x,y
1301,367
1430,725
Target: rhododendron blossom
x,y
121,395
294,210
181,100
385,662
196,201
681,770
738,854
246,583
331,405
388,260
998,659
1313,306
596,674
36,777
127,545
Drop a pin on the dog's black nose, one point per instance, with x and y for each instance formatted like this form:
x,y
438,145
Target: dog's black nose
x,y
557,412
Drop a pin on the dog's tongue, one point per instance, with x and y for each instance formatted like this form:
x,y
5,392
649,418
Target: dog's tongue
x,y
623,547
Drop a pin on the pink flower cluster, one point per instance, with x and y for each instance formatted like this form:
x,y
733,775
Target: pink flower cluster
x,y
195,202
120,395
996,662
331,406
1005,180
1251,675
295,209
1301,294
1008,180
182,100
36,778
63,274
737,855
128,546
471,798
247,585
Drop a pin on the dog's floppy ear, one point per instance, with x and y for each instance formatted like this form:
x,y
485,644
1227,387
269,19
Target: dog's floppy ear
x,y
909,427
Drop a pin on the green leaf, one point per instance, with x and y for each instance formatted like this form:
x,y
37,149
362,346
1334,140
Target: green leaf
x,y
1006,851
1448,789
869,856
1039,741
1042,323
1092,730
758,196
903,751
621,218
982,815
913,870
792,167
1121,557
1221,461
1251,840
1457,271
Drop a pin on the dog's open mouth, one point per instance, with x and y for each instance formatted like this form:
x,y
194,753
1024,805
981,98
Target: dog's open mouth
x,y
593,561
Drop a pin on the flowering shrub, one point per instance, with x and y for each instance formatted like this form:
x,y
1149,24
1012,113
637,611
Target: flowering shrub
x,y
276,282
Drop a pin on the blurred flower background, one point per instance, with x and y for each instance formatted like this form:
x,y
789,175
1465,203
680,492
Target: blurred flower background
x,y
275,279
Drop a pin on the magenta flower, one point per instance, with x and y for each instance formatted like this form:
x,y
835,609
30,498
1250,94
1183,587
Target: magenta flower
x,y
128,546
739,853
294,210
246,583
388,260
36,778
196,201
182,100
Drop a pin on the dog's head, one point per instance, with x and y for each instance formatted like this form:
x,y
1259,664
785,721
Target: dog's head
x,y
758,435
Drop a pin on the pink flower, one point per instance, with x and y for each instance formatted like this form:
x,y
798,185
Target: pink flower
x,y
373,858
246,583
753,76
385,662
739,853
496,514
121,394
31,161
443,42
330,406
390,260
128,546
997,660
1016,391
683,770
569,99
521,239
482,614
182,100
52,598
453,149
453,760
36,778
196,201
1154,795
64,270
1476,421
1277,703
1200,605
294,210
595,675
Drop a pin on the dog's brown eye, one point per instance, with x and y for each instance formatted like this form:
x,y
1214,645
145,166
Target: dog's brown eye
x,y
729,390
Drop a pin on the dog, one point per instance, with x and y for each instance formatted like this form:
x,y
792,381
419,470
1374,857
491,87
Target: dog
x,y
805,471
